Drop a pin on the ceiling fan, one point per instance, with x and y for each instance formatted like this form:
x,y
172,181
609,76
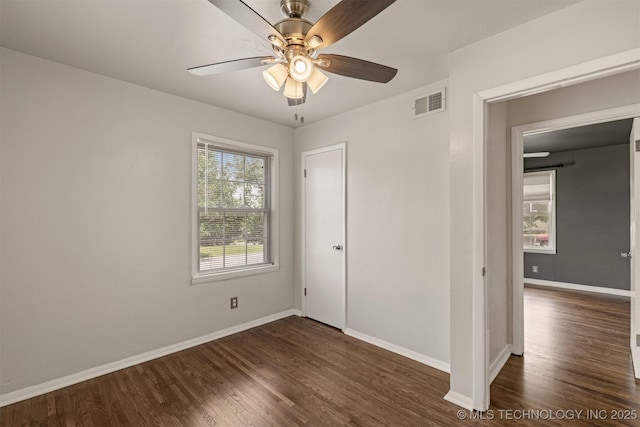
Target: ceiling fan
x,y
296,62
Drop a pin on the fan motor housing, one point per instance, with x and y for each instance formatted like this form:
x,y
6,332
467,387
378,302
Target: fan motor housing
x,y
293,26
294,29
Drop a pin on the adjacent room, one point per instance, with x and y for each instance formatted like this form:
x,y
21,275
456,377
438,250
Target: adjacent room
x,y
269,212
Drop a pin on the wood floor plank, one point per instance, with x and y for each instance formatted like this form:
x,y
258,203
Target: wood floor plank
x,y
577,357
296,372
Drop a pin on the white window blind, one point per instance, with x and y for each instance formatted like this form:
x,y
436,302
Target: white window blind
x,y
234,212
537,187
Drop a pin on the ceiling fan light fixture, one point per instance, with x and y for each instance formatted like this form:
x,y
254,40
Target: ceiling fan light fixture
x,y
295,62
317,80
293,89
300,68
275,76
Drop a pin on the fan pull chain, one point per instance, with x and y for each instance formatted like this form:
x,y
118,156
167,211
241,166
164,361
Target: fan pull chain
x,y
298,108
301,106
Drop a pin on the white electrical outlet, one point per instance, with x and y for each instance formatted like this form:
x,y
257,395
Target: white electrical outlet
x,y
534,268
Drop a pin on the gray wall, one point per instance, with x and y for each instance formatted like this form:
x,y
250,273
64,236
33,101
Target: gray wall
x,y
96,222
399,294
592,219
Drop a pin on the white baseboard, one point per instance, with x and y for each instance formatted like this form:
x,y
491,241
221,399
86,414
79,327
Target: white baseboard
x,y
498,363
459,399
576,287
635,356
58,383
418,357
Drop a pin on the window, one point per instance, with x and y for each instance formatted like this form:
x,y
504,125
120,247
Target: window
x,y
233,209
539,212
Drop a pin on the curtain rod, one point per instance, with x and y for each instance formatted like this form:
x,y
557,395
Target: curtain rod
x,y
544,168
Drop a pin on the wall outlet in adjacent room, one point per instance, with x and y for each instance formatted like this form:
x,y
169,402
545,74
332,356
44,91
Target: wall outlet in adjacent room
x,y
534,268
234,302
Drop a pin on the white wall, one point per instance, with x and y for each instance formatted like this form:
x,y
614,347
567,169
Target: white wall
x,y
397,221
582,32
80,149
601,94
96,217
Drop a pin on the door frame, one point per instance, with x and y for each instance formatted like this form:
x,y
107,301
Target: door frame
x,y
517,165
590,70
634,138
343,148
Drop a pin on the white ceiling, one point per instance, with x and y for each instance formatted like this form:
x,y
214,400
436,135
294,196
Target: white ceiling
x,y
153,42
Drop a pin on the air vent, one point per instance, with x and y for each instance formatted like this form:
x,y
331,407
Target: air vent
x,y
430,103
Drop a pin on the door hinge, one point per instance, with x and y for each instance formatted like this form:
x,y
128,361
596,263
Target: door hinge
x,y
484,271
305,292
305,173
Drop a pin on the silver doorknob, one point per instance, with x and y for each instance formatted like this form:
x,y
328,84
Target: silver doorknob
x,y
337,247
625,254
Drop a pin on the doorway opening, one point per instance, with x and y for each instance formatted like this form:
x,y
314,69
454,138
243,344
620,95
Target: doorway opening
x,y
582,165
576,237
484,362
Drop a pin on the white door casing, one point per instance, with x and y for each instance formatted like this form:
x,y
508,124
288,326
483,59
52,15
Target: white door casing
x,y
634,244
324,246
590,70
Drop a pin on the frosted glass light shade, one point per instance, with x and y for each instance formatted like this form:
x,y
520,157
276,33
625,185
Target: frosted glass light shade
x,y
275,76
293,89
317,80
300,68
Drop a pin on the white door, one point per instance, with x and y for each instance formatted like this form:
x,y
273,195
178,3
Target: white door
x,y
635,243
324,236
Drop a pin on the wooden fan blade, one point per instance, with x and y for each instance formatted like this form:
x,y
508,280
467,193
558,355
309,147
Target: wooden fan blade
x,y
248,17
358,68
344,18
234,65
293,102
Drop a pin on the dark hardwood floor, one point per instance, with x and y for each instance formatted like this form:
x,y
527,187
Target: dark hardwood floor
x,y
299,372
577,358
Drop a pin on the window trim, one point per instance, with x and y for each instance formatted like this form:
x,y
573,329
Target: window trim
x,y
224,143
552,248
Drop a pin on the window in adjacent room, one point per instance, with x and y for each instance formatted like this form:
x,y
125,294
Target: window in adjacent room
x,y
234,232
539,212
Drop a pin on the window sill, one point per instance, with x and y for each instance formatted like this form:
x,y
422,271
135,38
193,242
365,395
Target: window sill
x,y
227,275
540,251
